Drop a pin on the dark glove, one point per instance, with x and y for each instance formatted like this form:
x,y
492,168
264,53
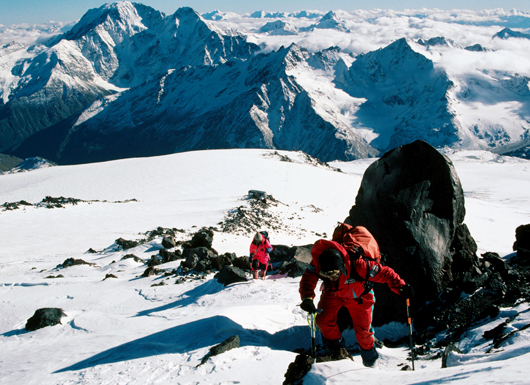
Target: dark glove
x,y
308,305
407,291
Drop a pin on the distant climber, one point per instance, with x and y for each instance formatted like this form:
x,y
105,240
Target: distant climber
x,y
259,254
348,265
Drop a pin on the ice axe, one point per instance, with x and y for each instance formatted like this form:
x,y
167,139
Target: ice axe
x,y
313,332
411,342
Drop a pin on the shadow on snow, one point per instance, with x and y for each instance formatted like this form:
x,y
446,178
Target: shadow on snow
x,y
196,335
190,297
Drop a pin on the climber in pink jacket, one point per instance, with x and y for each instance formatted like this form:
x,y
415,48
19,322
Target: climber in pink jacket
x,y
259,255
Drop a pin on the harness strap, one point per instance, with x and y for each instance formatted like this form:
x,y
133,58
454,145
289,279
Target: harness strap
x,y
354,255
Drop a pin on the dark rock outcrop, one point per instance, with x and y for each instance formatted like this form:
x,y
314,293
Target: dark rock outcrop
x,y
522,241
133,257
73,262
412,201
48,316
126,244
198,258
230,274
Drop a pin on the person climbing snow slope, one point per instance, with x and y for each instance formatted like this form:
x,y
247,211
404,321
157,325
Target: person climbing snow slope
x,y
347,265
259,255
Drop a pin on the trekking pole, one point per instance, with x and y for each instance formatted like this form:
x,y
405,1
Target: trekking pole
x,y
411,343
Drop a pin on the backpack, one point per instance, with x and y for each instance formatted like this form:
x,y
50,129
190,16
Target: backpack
x,y
359,243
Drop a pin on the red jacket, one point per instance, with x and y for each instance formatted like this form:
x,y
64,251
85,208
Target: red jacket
x,y
261,251
347,288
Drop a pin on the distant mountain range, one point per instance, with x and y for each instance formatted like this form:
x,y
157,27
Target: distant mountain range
x,y
129,81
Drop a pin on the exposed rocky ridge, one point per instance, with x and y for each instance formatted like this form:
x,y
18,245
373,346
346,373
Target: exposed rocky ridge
x,y
242,104
54,202
388,78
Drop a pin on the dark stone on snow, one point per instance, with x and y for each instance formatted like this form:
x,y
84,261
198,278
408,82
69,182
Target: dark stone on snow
x,y
412,201
522,242
168,242
229,344
495,333
125,244
109,276
298,369
133,257
54,276
151,271
169,256
48,316
73,262
155,260
229,275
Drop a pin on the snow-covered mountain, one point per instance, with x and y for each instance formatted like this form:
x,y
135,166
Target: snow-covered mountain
x,y
128,80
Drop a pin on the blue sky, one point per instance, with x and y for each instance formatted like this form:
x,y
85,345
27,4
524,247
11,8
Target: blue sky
x,y
40,11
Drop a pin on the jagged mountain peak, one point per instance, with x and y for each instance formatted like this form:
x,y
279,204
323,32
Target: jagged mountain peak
x,y
330,16
293,55
438,41
398,54
186,18
507,33
125,14
278,27
330,21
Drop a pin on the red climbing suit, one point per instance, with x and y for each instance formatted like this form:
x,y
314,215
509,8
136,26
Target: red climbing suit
x,y
346,292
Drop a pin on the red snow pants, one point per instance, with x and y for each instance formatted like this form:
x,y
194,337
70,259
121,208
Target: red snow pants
x,y
361,315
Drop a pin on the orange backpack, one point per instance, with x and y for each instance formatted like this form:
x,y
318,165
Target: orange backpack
x,y
358,241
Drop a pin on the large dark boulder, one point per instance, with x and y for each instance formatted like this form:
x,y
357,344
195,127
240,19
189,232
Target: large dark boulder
x,y
522,241
412,201
48,316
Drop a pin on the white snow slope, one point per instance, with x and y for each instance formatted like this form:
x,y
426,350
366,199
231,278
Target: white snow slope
x,y
125,331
